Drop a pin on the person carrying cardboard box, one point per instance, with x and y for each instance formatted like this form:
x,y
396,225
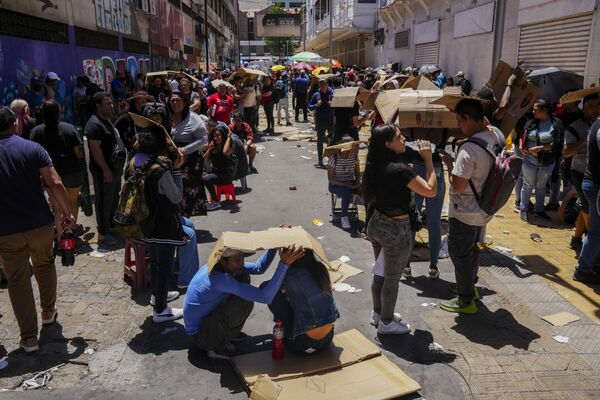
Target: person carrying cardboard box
x,y
220,299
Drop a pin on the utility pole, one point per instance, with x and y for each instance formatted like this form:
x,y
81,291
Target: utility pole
x,y
330,29
303,33
206,34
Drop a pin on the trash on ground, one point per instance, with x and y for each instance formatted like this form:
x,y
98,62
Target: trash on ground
x,y
89,351
535,237
260,148
561,339
344,258
272,155
435,347
341,287
506,232
306,157
292,188
504,250
39,379
499,215
317,222
561,319
320,237
428,304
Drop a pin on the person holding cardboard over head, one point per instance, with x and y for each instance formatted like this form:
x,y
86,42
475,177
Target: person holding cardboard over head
x,y
220,298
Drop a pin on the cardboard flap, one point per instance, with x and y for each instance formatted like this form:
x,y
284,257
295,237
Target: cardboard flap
x,y
578,95
419,83
374,379
387,104
341,271
347,348
420,100
344,97
451,100
336,148
273,238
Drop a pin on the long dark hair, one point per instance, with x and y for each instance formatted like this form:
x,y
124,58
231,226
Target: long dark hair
x,y
186,108
316,269
378,155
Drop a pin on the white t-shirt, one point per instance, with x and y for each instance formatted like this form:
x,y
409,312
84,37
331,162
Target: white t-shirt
x,y
250,99
472,162
581,130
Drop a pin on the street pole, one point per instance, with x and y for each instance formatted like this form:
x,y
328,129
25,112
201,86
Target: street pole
x,y
304,24
330,29
206,33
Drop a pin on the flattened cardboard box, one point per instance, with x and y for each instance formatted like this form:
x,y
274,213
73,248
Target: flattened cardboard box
x,y
352,367
344,97
415,110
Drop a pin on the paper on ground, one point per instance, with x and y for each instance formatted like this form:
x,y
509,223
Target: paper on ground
x,y
561,339
561,319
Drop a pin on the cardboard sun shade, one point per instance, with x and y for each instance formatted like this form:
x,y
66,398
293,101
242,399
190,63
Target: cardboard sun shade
x,y
143,122
578,95
329,150
419,83
247,73
275,238
218,82
344,97
351,367
387,104
451,100
417,110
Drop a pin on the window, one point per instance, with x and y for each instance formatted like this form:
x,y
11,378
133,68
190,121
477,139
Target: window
x,y
367,1
296,5
135,46
99,40
253,49
379,37
28,27
401,39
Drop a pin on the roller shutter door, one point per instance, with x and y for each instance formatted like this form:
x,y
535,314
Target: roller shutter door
x,y
426,53
560,43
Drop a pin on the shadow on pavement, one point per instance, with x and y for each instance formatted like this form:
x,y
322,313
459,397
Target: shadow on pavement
x,y
438,288
159,338
229,378
415,348
494,329
203,236
54,350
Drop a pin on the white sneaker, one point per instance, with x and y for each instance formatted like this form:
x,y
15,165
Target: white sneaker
x,y
375,318
444,248
346,223
170,297
168,314
393,328
212,206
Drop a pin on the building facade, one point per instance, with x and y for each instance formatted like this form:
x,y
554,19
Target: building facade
x,y
99,37
354,23
473,35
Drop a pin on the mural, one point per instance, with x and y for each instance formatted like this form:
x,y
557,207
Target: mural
x,y
168,32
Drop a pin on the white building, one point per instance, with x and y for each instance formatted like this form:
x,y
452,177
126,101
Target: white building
x,y
471,35
353,24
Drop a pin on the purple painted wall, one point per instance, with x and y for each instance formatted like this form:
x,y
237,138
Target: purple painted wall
x,y
21,59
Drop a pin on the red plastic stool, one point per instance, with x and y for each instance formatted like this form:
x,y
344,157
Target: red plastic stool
x,y
135,271
228,190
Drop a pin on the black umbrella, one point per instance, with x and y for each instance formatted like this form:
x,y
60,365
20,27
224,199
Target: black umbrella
x,y
554,82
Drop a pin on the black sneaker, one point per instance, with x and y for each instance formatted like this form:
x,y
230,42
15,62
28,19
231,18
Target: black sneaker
x,y
576,243
552,207
253,170
224,353
434,272
542,214
586,277
289,123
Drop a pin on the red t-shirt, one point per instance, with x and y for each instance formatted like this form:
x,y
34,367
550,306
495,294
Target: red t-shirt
x,y
223,108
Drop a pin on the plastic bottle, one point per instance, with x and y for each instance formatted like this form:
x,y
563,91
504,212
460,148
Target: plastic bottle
x,y
67,248
278,347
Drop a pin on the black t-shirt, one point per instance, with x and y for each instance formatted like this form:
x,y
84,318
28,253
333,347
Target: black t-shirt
x,y
59,144
592,170
392,195
98,129
343,118
126,128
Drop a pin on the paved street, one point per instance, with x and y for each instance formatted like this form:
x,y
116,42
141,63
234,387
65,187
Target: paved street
x,y
112,349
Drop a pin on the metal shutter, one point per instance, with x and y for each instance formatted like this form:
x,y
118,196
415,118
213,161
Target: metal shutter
x,y
426,53
561,43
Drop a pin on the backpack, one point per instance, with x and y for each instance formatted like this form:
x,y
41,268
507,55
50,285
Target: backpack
x,y
500,182
133,205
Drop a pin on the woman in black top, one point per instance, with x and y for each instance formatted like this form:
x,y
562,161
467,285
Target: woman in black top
x,y
219,153
267,91
388,186
65,147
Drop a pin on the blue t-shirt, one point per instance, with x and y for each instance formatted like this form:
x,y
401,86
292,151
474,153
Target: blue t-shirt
x,y
118,89
282,84
206,291
301,85
23,206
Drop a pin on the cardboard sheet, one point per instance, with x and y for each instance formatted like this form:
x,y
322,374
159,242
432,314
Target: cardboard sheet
x,y
561,319
351,368
344,97
416,110
336,148
340,271
387,104
419,83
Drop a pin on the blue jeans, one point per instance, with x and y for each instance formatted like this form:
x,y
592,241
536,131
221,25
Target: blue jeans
x,y
534,176
345,194
590,252
187,255
434,207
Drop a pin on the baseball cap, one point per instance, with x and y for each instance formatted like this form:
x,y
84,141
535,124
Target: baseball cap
x,y
460,73
34,79
52,75
237,253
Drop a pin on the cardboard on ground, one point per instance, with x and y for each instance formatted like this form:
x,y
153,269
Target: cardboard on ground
x,y
561,319
344,97
352,367
416,110
275,238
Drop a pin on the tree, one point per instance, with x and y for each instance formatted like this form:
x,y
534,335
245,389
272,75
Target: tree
x,y
280,46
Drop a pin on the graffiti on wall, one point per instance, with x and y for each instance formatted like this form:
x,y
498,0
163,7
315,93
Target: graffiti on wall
x,y
102,71
168,30
114,15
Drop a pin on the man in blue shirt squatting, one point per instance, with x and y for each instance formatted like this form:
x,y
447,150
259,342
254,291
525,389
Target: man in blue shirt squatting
x,y
219,300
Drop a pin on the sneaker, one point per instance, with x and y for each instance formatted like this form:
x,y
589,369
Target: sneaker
x,y
393,328
552,207
407,273
319,165
444,248
170,297
459,306
434,272
49,318
375,318
253,170
213,205
168,314
475,292
107,239
345,223
524,216
29,344
586,277
289,124
224,353
576,243
542,214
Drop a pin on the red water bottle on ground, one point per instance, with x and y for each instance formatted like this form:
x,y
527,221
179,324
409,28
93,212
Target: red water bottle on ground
x,y
67,248
278,333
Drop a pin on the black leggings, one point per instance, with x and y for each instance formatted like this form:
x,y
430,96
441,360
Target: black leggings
x,y
210,180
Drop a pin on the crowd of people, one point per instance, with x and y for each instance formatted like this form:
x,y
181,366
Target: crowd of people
x,y
201,136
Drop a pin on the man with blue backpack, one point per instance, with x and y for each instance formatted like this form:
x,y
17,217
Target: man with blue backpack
x,y
476,192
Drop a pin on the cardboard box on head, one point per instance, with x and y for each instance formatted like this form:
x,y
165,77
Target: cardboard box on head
x,y
344,97
419,83
247,73
417,110
330,150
